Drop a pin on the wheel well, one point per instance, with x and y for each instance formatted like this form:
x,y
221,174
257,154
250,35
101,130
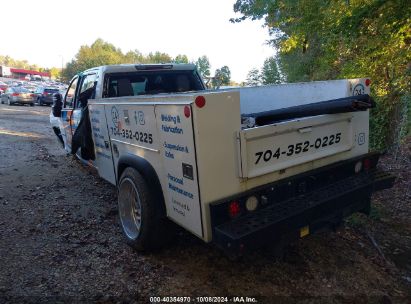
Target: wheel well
x,y
149,174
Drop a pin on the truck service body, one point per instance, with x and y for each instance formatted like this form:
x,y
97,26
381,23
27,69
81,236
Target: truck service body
x,y
203,159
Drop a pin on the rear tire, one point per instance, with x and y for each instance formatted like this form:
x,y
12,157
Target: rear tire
x,y
142,222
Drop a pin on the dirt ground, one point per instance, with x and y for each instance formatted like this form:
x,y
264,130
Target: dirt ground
x,y
60,240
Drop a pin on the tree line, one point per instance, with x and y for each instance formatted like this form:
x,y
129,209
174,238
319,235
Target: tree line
x,y
331,39
101,52
24,64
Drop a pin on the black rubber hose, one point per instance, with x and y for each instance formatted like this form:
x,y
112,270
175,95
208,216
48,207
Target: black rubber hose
x,y
333,106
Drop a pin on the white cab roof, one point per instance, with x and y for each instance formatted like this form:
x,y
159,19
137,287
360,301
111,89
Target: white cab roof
x,y
134,67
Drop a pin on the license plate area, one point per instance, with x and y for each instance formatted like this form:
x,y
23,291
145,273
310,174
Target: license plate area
x,y
275,147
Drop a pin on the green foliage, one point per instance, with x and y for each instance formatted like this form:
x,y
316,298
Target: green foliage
x,y
158,57
97,54
134,57
203,66
359,220
70,70
319,40
253,78
101,52
221,77
270,73
356,221
390,122
55,73
181,59
18,64
376,212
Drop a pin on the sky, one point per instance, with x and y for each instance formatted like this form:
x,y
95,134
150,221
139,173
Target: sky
x,y
50,32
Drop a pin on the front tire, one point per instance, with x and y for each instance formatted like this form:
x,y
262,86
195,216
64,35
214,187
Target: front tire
x,y
140,216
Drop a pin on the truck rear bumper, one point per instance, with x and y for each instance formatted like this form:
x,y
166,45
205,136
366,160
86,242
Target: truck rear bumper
x,y
301,215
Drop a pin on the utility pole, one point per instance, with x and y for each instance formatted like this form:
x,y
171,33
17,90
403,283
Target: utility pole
x,y
61,72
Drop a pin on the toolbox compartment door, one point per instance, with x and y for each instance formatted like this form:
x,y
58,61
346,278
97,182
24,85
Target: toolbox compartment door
x,y
279,146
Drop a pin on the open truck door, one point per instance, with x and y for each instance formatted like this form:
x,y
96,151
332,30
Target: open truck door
x,y
62,113
68,119
67,113
82,142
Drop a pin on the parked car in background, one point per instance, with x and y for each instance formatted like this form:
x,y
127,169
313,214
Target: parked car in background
x,y
62,92
31,88
20,95
3,87
45,95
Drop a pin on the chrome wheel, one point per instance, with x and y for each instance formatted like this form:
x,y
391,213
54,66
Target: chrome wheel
x,y
129,204
142,217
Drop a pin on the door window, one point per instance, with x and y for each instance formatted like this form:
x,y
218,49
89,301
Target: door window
x,y
71,94
87,90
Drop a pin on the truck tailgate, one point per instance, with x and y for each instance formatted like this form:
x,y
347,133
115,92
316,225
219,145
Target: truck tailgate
x,y
275,147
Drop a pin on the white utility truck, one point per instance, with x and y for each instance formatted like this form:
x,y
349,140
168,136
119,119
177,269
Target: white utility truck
x,y
241,167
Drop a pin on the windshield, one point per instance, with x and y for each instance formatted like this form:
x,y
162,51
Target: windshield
x,y
21,90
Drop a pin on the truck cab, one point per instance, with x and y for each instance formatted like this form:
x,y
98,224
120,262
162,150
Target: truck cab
x,y
114,81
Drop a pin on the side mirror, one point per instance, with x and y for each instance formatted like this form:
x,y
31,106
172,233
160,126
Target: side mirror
x,y
57,104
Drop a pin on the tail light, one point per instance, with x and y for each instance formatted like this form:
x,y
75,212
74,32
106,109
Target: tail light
x,y
187,111
15,94
200,101
366,164
33,95
45,94
234,209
